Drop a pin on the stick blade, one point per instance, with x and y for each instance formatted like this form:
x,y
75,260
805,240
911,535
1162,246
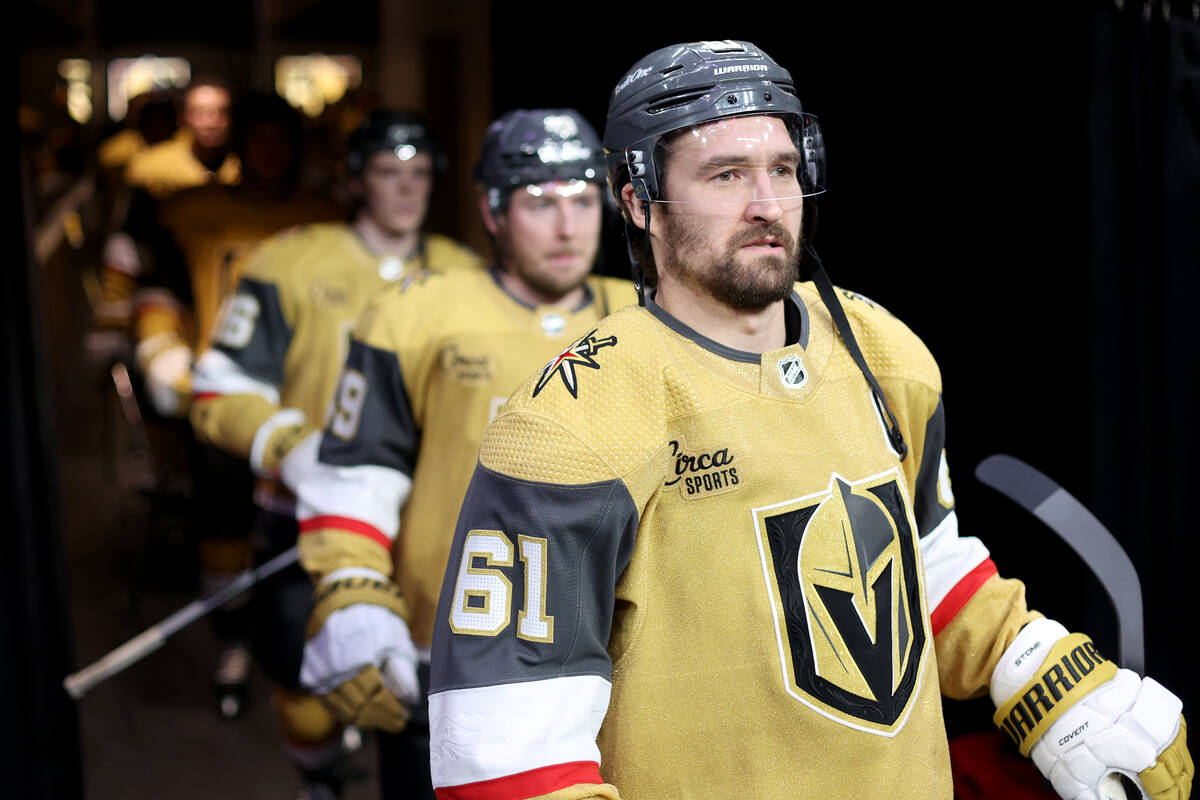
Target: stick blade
x,y
1086,535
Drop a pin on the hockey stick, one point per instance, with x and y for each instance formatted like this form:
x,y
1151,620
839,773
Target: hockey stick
x,y
1080,529
77,684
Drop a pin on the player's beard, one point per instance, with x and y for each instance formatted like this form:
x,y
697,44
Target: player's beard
x,y
547,283
738,280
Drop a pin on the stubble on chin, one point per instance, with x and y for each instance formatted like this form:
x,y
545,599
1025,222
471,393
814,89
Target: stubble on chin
x,y
738,280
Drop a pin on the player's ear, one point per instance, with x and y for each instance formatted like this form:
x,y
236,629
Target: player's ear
x,y
489,215
633,206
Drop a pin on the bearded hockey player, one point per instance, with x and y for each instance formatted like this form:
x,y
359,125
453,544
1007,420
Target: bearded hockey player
x,y
711,549
276,355
429,365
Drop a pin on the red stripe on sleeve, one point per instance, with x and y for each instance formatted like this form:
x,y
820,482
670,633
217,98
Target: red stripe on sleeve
x,y
198,396
346,524
525,784
963,591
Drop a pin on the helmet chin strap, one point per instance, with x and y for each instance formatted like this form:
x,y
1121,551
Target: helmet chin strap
x,y
830,299
635,264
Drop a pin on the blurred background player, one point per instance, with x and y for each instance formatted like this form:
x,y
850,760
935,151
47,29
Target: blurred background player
x,y
429,365
203,237
198,151
266,382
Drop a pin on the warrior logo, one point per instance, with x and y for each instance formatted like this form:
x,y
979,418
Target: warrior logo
x,y
841,569
579,354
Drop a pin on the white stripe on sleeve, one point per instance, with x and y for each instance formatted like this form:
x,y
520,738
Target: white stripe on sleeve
x,y
947,558
217,373
364,492
489,732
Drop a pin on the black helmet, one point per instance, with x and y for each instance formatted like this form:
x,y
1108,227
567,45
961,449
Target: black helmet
x,y
403,132
683,85
532,146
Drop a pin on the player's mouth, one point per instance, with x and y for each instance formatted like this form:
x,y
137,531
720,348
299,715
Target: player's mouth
x,y
563,256
763,244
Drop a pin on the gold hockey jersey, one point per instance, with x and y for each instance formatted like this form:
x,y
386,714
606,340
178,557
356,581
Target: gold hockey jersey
x,y
169,167
705,573
284,335
429,366
209,233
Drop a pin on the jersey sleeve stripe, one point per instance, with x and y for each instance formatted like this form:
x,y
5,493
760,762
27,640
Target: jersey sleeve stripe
x,y
348,525
533,783
516,735
217,374
947,557
960,594
368,494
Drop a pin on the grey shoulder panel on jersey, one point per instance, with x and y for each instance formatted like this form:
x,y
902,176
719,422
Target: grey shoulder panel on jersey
x,y
926,507
589,533
386,434
263,355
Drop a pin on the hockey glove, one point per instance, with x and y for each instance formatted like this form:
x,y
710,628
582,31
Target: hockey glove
x,y
359,657
276,438
166,364
1095,731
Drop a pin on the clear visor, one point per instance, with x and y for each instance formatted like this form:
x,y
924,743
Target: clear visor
x,y
735,161
569,188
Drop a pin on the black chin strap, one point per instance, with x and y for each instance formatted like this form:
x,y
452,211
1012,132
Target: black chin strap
x,y
635,264
830,299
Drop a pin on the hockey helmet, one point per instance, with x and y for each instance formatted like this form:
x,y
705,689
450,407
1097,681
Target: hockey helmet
x,y
678,87
405,133
528,147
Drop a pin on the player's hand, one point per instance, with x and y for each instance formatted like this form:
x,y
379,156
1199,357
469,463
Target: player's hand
x,y
167,372
359,657
1095,731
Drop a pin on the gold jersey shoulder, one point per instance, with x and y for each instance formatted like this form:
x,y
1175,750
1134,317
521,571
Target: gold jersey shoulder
x,y
169,167
891,349
594,411
443,254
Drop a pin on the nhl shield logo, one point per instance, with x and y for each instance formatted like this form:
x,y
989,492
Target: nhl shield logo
x,y
792,372
842,575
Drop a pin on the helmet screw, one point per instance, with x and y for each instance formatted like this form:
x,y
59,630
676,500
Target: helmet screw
x,y
767,96
731,99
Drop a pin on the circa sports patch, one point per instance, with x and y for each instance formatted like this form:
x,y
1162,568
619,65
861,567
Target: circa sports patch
x,y
579,354
702,472
842,573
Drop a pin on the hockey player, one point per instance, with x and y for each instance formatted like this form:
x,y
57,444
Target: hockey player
x,y
199,153
429,365
204,235
711,549
275,357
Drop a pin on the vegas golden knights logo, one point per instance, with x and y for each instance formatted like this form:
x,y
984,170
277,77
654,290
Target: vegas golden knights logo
x,y
842,572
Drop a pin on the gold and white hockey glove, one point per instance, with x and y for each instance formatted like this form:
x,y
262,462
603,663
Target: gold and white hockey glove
x,y
359,657
166,364
1095,731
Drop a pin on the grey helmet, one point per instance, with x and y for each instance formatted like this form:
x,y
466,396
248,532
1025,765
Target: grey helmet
x,y
402,132
534,146
683,85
